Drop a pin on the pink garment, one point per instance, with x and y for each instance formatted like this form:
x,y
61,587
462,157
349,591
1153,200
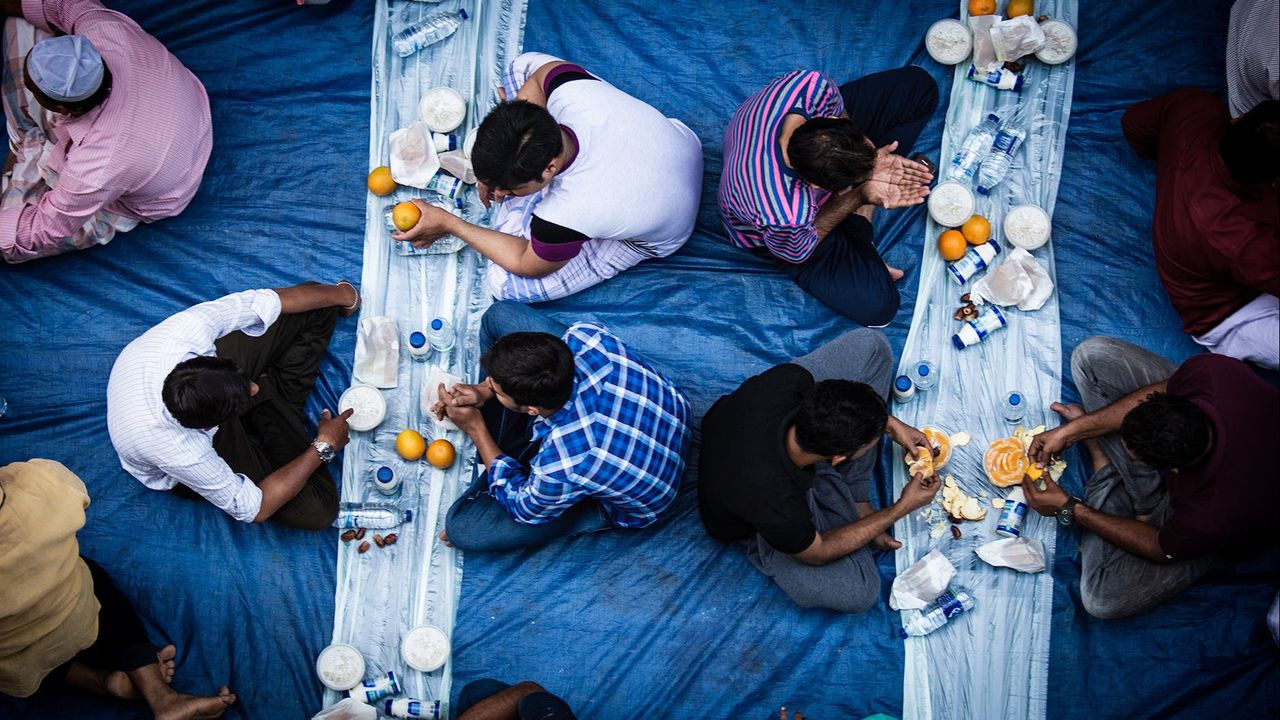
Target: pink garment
x,y
140,154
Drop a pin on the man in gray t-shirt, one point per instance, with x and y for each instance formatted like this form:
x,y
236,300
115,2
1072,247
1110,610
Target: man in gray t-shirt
x,y
1253,54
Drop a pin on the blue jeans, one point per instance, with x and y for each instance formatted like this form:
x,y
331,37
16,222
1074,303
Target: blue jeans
x,y
534,706
476,522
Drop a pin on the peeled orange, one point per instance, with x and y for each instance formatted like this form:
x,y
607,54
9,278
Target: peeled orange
x,y
405,215
976,230
1006,462
982,7
380,182
1019,7
441,454
952,245
927,463
410,444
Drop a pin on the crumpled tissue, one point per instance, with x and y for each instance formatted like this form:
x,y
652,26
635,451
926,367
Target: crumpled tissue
x,y
1020,553
1020,280
347,709
377,351
458,164
1016,38
431,395
413,155
922,583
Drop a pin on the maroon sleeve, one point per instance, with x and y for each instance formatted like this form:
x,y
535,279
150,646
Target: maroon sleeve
x,y
1144,122
1200,375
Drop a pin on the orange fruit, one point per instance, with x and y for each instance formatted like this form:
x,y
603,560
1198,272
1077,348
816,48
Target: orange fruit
x,y
976,230
1019,7
982,7
405,215
927,463
380,182
1006,462
441,454
952,245
410,444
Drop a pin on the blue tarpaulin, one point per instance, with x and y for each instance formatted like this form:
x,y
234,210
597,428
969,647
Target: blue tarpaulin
x,y
630,624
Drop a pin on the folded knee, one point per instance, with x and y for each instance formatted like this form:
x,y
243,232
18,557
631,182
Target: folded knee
x,y
1088,352
1105,609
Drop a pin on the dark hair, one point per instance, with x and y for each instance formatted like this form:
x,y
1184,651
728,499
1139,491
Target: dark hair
x,y
535,369
78,107
831,153
514,144
1166,432
205,392
839,417
1251,145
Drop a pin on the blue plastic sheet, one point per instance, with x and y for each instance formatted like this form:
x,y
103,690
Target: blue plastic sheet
x,y
633,624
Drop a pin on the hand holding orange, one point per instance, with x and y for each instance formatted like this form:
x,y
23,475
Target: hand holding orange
x,y
405,215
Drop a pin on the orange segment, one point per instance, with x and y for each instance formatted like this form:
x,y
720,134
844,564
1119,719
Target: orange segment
x,y
1005,462
928,463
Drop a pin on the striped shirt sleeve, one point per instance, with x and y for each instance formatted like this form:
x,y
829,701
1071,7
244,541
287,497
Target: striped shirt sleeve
x,y
212,479
530,496
793,244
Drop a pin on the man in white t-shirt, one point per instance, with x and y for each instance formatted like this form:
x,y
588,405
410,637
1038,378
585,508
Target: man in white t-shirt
x,y
590,181
209,403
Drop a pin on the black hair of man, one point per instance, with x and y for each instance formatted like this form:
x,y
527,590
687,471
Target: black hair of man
x,y
1251,145
839,417
205,392
1167,432
535,369
831,153
79,107
514,144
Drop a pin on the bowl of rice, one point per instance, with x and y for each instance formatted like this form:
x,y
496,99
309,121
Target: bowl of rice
x,y
949,41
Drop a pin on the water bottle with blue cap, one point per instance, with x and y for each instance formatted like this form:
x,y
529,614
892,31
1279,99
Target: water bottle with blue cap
x,y
431,30
418,348
440,333
1015,406
924,374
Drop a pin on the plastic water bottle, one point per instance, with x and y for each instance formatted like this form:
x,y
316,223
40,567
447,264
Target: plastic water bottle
x,y
418,349
974,149
979,328
374,516
1015,407
1000,78
445,184
440,333
1000,159
936,614
924,374
431,30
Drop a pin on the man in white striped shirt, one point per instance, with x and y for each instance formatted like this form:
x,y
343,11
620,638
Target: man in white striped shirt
x,y
209,403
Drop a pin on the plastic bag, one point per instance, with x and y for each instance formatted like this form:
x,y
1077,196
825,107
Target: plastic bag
x,y
347,709
431,395
377,351
984,54
1019,280
922,583
413,155
1020,553
457,164
1016,38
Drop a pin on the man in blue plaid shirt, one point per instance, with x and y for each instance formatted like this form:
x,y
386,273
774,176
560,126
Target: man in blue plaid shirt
x,y
583,436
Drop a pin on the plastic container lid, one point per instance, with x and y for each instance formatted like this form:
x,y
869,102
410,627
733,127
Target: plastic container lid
x,y
1015,399
923,369
951,204
437,324
941,41
425,648
370,407
385,474
1027,226
340,667
442,109
417,339
1060,42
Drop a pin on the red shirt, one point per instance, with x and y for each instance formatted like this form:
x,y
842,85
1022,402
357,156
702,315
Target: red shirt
x,y
1216,241
1235,492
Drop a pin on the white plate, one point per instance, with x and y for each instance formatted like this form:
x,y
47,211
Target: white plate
x,y
370,406
346,667
425,648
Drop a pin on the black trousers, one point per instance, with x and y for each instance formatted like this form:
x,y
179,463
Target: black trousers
x,y
845,272
284,362
122,642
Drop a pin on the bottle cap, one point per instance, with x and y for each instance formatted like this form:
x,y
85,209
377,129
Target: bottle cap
x,y
1017,84
994,245
463,13
417,339
437,324
994,117
902,634
983,191
408,516
923,369
385,474
902,383
1015,399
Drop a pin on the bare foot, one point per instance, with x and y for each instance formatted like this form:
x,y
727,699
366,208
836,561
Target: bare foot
x,y
894,273
117,684
1070,412
445,539
165,655
193,707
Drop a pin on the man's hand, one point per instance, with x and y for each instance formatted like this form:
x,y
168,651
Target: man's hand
x,y
434,223
467,418
486,194
1047,502
333,430
1050,444
460,395
896,181
908,437
918,492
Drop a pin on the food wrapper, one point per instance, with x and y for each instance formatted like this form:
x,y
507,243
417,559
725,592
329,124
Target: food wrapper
x,y
413,155
1020,553
377,351
431,395
1016,38
922,583
347,709
1019,280
458,164
984,53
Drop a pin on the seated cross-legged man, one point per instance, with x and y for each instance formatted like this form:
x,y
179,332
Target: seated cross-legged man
x,y
209,403
803,176
576,432
590,182
786,471
1181,475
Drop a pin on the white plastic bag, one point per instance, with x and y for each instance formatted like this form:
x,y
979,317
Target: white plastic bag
x,y
1016,38
1019,280
377,351
922,583
347,709
1020,553
413,155
457,164
984,55
431,395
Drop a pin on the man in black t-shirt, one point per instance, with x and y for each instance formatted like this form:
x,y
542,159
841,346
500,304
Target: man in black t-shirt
x,y
786,469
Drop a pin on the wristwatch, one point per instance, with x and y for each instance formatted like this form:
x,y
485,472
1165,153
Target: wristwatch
x,y
325,450
1067,513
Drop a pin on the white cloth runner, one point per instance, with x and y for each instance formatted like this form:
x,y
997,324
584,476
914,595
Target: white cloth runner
x,y
991,662
384,593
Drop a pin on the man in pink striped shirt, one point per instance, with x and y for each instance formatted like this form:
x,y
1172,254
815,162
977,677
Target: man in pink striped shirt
x,y
80,171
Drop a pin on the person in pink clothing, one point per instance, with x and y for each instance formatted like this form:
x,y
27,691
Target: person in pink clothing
x,y
106,128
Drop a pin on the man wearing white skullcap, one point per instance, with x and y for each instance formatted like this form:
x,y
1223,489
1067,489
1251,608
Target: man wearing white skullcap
x,y
106,128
